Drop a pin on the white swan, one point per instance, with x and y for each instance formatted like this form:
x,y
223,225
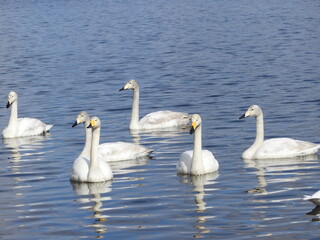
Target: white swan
x,y
314,198
95,169
110,152
198,161
275,147
22,127
155,120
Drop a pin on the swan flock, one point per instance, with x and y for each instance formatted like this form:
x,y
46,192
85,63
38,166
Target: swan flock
x,y
92,163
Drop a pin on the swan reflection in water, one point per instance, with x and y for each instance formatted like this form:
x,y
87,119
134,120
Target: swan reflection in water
x,y
156,135
198,183
90,193
123,167
28,149
27,145
279,167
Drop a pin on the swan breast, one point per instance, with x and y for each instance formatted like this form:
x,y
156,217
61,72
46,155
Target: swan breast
x,y
210,163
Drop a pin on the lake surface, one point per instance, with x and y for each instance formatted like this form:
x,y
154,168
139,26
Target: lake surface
x,y
215,58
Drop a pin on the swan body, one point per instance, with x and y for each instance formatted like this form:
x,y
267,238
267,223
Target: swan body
x,y
22,127
275,147
119,151
95,169
197,161
155,120
113,151
315,198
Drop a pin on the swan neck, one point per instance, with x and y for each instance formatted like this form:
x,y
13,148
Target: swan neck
x,y
13,121
259,131
87,146
94,148
197,164
134,122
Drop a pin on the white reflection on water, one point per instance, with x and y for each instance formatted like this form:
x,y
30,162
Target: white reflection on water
x,y
91,197
278,167
25,144
156,135
25,150
123,167
168,132
198,183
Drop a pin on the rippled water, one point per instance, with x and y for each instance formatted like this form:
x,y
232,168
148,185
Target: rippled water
x,y
210,57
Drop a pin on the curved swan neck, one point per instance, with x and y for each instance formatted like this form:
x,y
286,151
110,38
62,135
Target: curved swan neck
x,y
87,146
134,122
259,130
197,163
94,148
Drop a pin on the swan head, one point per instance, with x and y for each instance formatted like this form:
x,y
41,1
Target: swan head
x,y
253,111
81,118
12,97
195,122
94,123
132,84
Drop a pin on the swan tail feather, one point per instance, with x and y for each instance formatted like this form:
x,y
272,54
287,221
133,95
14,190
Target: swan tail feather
x,y
48,127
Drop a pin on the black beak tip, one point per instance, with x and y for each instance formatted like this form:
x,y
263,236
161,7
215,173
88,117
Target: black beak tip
x,y
75,124
243,116
121,89
89,126
192,130
8,105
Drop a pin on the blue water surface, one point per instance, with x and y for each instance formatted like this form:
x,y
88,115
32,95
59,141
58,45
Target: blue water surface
x,y
215,58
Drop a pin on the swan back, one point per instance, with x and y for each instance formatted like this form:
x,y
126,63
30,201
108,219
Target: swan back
x,y
118,151
32,127
165,119
285,148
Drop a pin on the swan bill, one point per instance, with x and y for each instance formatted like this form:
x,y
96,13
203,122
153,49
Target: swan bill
x,y
243,116
193,127
8,104
75,124
121,89
92,124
